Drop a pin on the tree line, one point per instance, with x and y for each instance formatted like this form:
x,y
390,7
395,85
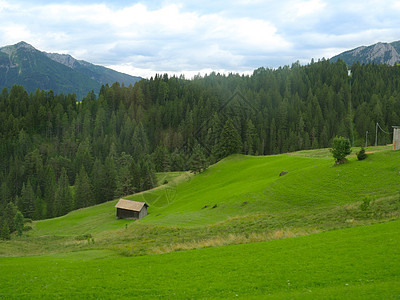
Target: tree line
x,y
58,154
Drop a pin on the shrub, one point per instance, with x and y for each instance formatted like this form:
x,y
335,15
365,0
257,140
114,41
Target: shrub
x,y
83,237
365,204
361,155
27,228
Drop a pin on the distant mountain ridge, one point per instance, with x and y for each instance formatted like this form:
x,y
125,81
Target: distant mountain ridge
x,y
379,53
23,64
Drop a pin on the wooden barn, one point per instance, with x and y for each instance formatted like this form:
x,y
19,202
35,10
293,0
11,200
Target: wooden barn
x,y
127,209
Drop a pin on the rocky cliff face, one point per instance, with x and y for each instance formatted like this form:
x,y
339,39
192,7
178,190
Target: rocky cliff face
x,y
380,53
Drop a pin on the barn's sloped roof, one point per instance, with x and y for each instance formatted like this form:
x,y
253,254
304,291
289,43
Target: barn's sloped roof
x,y
130,205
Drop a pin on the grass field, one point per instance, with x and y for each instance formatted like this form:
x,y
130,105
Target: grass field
x,y
305,222
253,203
361,263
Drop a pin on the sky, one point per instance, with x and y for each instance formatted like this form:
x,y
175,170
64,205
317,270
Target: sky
x,y
143,38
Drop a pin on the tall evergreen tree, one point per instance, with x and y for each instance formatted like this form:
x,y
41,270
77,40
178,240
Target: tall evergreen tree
x,y
161,159
198,162
250,138
109,179
9,214
63,201
98,181
49,190
83,190
5,231
27,200
229,141
19,223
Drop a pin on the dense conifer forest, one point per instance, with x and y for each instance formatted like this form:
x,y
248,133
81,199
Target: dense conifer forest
x,y
58,153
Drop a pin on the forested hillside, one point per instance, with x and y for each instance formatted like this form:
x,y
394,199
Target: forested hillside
x,y
58,154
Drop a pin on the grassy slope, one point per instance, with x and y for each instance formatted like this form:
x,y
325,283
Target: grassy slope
x,y
314,196
362,262
311,182
356,262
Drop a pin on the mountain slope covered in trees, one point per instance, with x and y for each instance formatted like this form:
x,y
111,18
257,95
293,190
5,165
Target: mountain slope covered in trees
x,y
23,64
111,144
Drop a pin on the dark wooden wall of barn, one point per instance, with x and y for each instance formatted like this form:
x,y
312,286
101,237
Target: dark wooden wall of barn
x,y
127,214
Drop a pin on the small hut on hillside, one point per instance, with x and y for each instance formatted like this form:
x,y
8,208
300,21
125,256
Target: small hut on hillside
x,y
127,209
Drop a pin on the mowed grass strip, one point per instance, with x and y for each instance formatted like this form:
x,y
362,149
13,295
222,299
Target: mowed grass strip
x,y
362,262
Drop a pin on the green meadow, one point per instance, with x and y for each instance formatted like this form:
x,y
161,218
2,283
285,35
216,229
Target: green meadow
x,y
236,229
361,263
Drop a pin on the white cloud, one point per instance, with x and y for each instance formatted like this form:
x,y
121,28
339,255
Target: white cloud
x,y
309,8
191,37
16,33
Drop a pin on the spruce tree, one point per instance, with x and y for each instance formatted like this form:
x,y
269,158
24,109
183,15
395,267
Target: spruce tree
x,y
63,202
149,176
161,159
5,231
27,200
229,141
49,190
198,161
83,190
9,214
19,223
98,181
250,138
109,179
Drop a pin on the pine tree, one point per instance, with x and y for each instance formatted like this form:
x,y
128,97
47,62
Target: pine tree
x,y
9,214
5,194
19,223
63,202
250,138
140,142
98,181
27,200
109,179
149,176
230,141
83,190
136,174
5,231
124,178
198,161
161,159
49,190
40,209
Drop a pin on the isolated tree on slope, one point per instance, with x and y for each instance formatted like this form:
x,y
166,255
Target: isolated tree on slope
x,y
340,149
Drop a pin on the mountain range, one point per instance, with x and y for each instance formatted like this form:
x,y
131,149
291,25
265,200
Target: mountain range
x,y
23,64
34,69
379,53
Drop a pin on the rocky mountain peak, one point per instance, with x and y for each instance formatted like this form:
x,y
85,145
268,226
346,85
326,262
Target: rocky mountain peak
x,y
379,53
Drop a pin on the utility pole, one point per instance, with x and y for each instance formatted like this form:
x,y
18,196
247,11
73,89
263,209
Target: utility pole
x,y
376,135
366,139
